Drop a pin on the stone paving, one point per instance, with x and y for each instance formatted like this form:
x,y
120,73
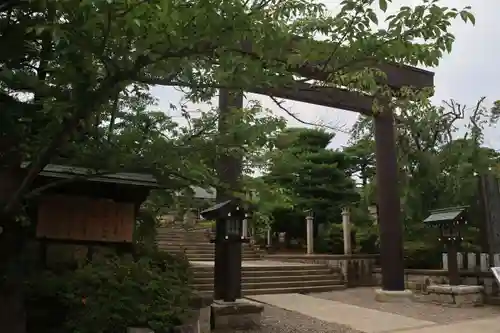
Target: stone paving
x,y
364,297
358,318
356,311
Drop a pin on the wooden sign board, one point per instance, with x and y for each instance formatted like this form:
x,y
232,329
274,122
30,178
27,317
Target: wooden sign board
x,y
85,219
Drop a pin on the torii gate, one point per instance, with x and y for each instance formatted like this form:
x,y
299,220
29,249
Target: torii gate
x,y
390,225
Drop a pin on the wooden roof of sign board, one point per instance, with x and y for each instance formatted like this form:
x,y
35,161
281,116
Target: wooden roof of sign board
x,y
125,178
445,215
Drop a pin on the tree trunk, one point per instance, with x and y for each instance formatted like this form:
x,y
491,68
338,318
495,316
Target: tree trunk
x,y
12,312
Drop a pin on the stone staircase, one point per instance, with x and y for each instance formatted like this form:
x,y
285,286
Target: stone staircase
x,y
259,276
276,278
195,243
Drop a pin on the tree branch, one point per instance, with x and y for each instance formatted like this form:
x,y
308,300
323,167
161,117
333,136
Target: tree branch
x,y
280,105
68,126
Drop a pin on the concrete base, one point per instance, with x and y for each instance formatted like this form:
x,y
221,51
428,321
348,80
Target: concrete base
x,y
242,314
390,296
454,296
204,321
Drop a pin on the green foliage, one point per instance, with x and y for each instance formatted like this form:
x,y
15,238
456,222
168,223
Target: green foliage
x,y
73,81
145,229
315,177
208,224
330,240
110,294
83,70
438,167
79,62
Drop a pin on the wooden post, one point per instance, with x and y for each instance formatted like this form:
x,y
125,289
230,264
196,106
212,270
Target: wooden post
x,y
346,227
310,234
269,235
229,169
390,225
453,272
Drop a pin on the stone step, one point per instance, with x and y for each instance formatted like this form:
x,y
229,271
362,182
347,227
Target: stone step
x,y
182,231
182,228
211,257
196,249
182,241
278,267
191,247
191,251
200,245
274,285
286,290
204,243
273,278
298,274
163,233
173,238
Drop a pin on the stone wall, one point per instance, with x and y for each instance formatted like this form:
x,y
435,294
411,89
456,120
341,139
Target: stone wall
x,y
419,279
356,269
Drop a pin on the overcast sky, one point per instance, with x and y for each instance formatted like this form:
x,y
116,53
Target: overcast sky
x,y
471,71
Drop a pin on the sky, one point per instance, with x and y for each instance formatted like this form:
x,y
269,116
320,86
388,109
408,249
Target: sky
x,y
469,72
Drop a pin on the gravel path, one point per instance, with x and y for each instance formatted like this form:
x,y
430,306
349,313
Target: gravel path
x,y
364,297
276,320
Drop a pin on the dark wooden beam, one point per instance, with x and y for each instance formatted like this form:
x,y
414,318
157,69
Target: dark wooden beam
x,y
302,92
397,75
324,96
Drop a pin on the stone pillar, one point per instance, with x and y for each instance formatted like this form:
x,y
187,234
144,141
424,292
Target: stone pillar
x,y
346,227
269,237
244,226
310,234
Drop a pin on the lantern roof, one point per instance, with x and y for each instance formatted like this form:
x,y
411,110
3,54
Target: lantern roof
x,y
446,215
223,210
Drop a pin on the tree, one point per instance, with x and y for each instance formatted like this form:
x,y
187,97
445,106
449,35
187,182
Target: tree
x,y
69,63
438,163
315,177
362,153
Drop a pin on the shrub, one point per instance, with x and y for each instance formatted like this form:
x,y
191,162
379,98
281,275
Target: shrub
x,y
112,293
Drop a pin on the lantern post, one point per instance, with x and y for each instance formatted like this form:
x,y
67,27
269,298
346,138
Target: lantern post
x,y
227,273
450,222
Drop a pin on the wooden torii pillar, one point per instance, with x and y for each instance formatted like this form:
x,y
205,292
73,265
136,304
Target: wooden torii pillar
x,y
389,209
